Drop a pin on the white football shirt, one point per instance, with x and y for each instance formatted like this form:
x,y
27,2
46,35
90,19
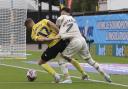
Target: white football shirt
x,y
68,27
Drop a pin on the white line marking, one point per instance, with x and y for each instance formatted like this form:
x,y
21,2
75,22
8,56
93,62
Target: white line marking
x,y
44,82
98,81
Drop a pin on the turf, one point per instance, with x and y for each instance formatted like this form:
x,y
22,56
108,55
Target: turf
x,y
15,78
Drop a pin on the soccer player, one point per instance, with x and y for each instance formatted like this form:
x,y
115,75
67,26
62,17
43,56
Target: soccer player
x,y
44,31
69,30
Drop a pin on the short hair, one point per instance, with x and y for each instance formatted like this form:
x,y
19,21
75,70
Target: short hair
x,y
28,20
68,10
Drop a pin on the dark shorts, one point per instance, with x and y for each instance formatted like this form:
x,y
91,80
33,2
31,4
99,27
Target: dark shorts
x,y
51,53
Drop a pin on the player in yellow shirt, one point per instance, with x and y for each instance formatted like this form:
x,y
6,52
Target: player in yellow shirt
x,y
44,31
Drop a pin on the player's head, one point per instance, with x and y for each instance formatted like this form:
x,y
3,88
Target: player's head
x,y
65,11
29,23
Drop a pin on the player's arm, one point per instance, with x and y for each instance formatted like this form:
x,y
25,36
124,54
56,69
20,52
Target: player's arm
x,y
40,38
59,21
58,24
44,39
66,34
53,26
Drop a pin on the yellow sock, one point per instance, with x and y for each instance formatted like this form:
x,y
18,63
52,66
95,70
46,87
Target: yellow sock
x,y
77,66
49,69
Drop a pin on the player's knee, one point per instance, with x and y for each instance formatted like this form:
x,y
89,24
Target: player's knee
x,y
61,62
45,58
41,62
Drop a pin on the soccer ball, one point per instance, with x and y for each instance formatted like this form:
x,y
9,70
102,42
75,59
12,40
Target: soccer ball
x,y
31,75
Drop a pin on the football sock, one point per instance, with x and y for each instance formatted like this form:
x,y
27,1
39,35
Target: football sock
x,y
96,66
77,66
49,69
64,70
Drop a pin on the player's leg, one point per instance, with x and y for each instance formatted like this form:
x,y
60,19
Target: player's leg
x,y
50,70
85,54
51,53
46,56
76,64
71,50
61,61
47,67
63,66
98,68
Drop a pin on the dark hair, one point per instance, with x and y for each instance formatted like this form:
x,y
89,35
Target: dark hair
x,y
29,20
68,10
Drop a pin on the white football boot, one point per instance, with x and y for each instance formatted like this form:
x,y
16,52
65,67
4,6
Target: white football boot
x,y
57,78
107,78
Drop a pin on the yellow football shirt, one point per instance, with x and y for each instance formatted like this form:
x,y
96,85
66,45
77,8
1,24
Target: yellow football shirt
x,y
41,29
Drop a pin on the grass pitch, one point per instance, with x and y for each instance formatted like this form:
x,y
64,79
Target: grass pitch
x,y
13,75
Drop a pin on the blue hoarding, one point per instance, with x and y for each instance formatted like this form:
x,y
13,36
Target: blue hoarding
x,y
105,29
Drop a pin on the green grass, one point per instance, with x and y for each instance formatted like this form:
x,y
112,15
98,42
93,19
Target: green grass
x,y
15,78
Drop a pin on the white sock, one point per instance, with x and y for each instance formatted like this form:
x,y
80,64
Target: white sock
x,y
64,69
96,66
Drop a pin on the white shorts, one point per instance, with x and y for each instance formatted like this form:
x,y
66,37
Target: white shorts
x,y
77,46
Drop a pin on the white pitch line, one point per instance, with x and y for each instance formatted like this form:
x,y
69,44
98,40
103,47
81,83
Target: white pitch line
x,y
44,82
21,67
98,81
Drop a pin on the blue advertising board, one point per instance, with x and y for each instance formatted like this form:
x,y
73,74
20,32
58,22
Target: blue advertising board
x,y
105,29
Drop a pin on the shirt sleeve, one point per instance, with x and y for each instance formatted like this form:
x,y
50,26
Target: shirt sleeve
x,y
45,21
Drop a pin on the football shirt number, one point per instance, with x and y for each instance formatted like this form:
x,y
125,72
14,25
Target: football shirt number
x,y
69,26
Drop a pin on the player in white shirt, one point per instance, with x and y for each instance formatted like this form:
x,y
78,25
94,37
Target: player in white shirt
x,y
70,30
